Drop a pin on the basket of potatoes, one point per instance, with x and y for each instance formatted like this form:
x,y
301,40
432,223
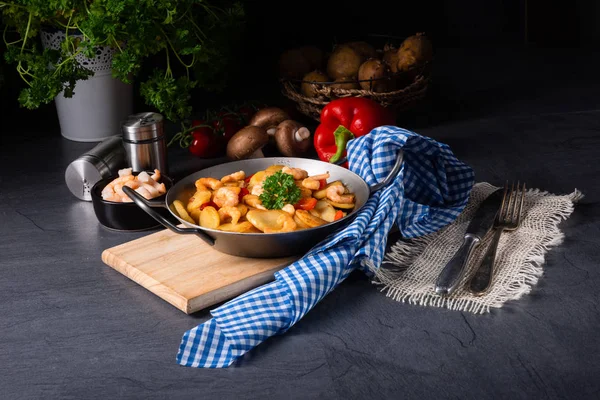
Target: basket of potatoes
x,y
396,76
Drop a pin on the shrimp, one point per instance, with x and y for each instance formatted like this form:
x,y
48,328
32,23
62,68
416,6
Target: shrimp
x,y
109,189
156,175
336,194
253,201
226,196
231,212
297,173
125,171
312,182
144,192
134,184
288,208
212,183
158,188
257,190
236,176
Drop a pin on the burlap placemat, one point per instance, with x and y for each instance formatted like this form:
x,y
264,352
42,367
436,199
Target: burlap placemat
x,y
411,267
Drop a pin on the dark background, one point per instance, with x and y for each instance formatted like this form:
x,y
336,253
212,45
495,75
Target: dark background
x,y
273,26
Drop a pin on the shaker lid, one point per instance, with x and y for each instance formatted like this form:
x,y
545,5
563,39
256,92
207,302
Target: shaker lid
x,y
142,126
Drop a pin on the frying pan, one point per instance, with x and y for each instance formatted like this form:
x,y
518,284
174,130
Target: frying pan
x,y
262,245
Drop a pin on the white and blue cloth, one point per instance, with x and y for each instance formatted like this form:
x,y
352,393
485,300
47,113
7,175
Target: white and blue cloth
x,y
430,191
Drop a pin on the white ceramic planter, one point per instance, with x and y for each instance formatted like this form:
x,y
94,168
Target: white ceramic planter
x,y
99,104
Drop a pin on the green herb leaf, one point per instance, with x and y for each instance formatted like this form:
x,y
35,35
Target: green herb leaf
x,y
279,189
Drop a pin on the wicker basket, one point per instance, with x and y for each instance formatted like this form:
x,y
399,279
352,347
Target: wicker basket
x,y
398,100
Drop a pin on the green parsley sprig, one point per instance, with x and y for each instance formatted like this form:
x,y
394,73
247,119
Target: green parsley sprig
x,y
197,40
279,189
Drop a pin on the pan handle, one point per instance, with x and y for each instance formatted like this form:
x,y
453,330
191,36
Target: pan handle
x,y
392,175
147,206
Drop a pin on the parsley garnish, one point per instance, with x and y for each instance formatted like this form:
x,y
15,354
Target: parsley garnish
x,y
279,189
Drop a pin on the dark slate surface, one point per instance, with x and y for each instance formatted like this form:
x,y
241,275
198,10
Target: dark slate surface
x,y
71,327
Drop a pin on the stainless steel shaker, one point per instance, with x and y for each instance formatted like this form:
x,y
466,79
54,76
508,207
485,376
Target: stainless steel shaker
x,y
102,161
145,142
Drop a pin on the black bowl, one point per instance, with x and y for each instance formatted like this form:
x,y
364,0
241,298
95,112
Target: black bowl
x,y
126,216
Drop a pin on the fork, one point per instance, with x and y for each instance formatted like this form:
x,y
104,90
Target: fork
x,y
507,219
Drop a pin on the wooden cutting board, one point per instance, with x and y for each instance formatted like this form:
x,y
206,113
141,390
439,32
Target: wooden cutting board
x,y
188,273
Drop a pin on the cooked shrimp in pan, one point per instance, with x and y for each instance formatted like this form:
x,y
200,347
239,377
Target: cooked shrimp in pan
x,y
277,199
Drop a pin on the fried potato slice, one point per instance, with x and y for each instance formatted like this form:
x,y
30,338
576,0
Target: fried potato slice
x,y
209,218
199,198
325,210
344,206
241,227
243,209
182,212
195,214
308,219
299,223
271,221
274,168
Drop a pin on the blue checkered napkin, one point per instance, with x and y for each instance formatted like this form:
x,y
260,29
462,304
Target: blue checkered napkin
x,y
430,191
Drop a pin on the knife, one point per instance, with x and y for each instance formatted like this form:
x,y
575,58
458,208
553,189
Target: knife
x,y
481,223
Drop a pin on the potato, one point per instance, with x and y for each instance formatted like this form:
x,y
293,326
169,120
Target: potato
x,y
209,218
344,62
274,168
321,194
271,221
364,49
299,223
325,210
195,214
241,227
372,74
344,206
420,46
307,88
346,83
259,177
199,198
183,214
308,219
243,209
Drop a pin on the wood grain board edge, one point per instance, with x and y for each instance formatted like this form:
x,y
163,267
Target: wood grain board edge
x,y
233,290
151,284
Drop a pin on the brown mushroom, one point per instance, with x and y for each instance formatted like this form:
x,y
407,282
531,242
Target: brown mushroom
x,y
268,119
247,143
292,138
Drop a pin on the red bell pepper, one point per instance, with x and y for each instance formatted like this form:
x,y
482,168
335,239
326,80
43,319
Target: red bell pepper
x,y
345,119
307,203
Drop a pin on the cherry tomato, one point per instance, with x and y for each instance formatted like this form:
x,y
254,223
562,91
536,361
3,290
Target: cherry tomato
x,y
322,183
202,125
203,144
227,124
306,204
243,192
209,204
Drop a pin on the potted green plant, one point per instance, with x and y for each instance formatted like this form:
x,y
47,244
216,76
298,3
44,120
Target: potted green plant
x,y
75,51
